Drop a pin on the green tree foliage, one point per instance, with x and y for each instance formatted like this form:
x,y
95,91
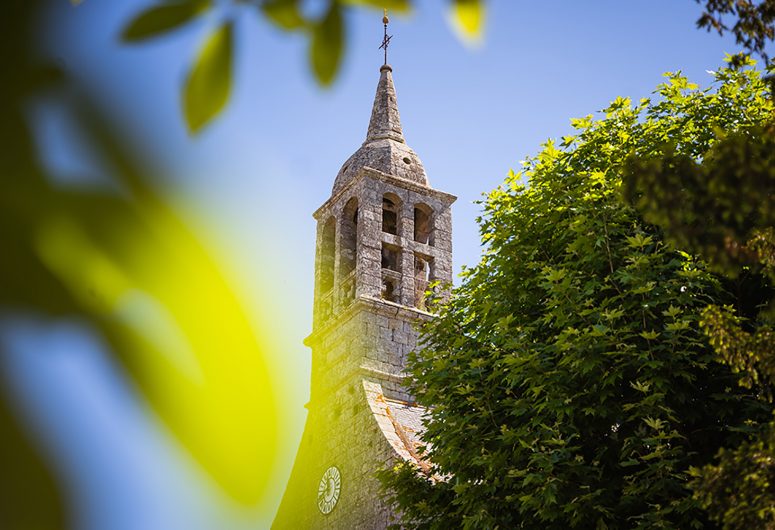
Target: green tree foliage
x,y
722,208
127,265
568,381
753,21
30,495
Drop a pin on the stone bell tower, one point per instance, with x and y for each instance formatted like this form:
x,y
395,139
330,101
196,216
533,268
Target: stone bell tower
x,y
382,237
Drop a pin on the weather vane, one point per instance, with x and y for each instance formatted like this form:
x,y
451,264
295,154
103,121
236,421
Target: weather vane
x,y
386,38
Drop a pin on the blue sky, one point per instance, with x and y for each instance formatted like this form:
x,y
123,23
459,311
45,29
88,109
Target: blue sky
x,y
250,182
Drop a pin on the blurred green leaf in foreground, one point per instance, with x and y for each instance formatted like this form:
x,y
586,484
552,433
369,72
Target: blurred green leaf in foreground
x,y
121,260
207,89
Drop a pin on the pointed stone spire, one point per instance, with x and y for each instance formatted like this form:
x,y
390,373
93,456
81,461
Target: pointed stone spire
x,y
385,148
385,123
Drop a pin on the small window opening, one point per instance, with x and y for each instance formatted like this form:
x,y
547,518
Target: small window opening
x,y
422,269
390,257
389,291
423,275
389,216
423,224
348,291
349,238
327,254
407,161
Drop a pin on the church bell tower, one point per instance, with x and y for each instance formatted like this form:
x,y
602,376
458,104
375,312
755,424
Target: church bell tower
x,y
383,236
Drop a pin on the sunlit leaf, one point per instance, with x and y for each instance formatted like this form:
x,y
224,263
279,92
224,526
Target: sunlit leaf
x,y
468,19
327,44
208,86
162,18
132,268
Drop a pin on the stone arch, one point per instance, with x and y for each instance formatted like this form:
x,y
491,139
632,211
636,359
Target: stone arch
x,y
327,255
423,224
391,210
348,239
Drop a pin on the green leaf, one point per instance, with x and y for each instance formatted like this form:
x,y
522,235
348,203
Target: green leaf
x,y
677,326
654,423
581,123
162,18
648,287
327,44
613,314
402,6
672,312
639,241
468,18
284,13
641,387
208,85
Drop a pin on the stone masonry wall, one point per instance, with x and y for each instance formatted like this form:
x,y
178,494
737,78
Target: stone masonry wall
x,y
341,430
359,336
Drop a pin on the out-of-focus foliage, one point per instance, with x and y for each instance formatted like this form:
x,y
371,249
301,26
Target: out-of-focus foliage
x,y
468,18
717,205
326,45
208,85
568,380
721,207
30,496
207,89
738,490
754,25
119,258
754,21
163,18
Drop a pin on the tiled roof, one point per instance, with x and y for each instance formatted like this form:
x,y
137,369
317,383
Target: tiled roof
x,y
400,422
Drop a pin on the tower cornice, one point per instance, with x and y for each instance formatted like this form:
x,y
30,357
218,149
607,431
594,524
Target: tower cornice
x,y
373,305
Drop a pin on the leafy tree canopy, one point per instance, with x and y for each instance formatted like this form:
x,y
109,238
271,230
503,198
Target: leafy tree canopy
x,y
568,381
752,21
722,208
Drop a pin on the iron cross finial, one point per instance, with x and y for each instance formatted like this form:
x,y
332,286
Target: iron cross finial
x,y
386,38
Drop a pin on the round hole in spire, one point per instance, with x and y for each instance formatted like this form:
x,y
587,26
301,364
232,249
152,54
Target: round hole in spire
x,y
407,161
